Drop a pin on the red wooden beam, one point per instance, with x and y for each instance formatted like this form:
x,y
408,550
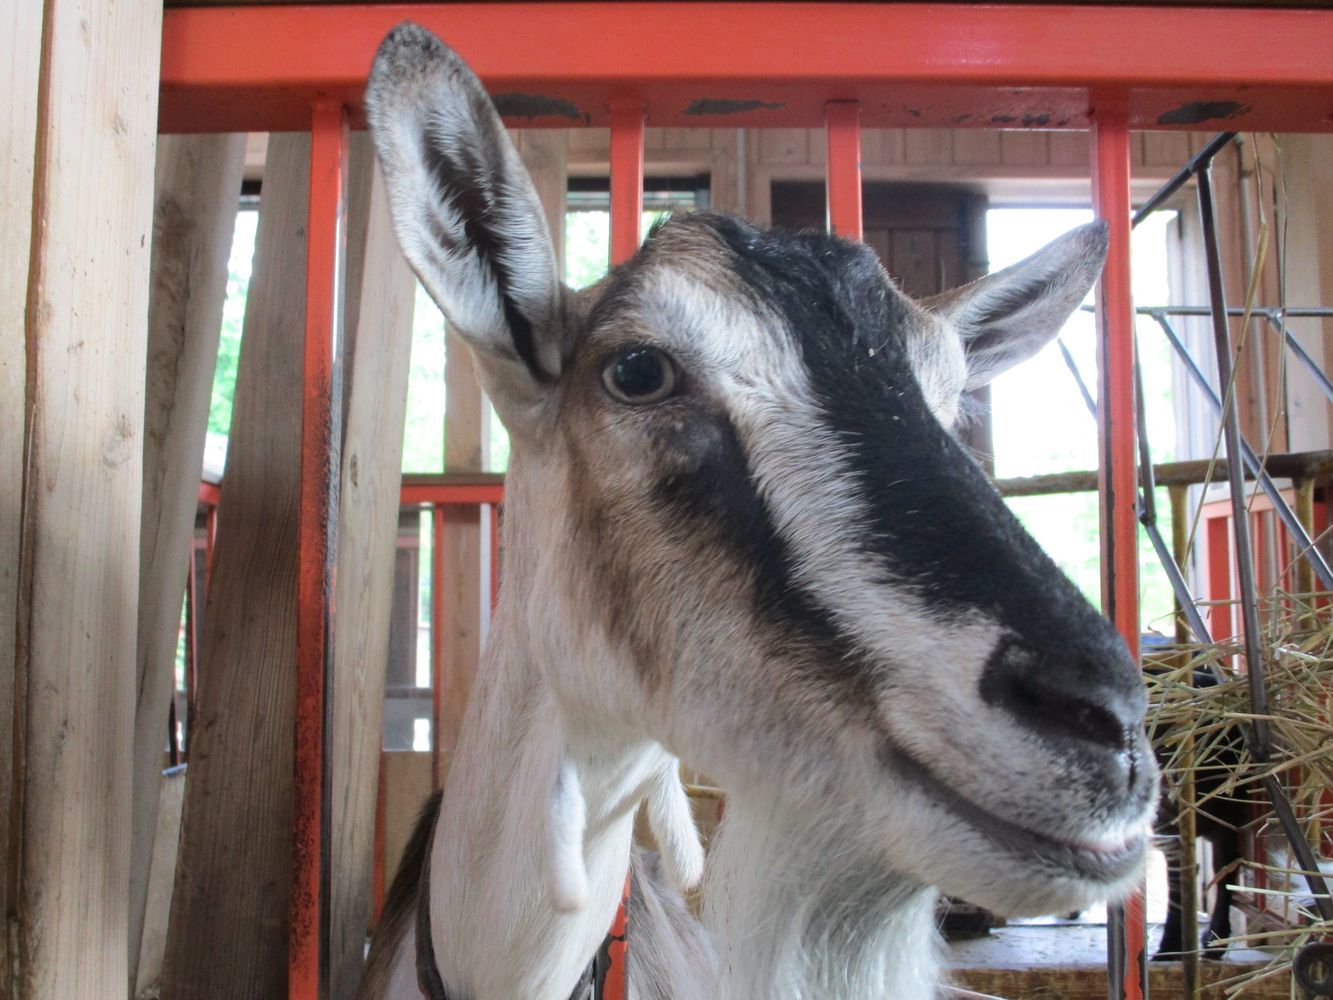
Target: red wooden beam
x,y
459,494
843,129
768,63
318,518
626,179
1118,477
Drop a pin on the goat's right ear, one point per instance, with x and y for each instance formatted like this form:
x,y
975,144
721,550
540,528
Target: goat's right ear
x,y
466,213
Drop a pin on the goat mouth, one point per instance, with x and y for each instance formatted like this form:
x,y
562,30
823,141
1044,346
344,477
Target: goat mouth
x,y
1102,863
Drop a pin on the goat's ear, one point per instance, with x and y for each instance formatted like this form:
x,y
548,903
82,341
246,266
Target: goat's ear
x,y
1008,316
466,213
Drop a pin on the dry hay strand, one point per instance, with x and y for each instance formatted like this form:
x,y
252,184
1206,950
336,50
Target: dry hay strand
x,y
1195,731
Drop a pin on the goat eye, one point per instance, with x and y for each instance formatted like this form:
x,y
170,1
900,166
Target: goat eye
x,y
639,375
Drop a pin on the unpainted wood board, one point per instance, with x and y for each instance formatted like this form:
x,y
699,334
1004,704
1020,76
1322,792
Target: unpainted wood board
x,y
545,153
1165,149
21,24
1024,149
977,147
406,789
589,139
86,339
233,877
817,140
687,138
784,145
376,384
161,879
927,146
197,187
1068,149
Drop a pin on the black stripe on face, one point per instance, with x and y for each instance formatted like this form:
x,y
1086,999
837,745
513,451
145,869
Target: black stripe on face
x,y
935,522
474,188
712,494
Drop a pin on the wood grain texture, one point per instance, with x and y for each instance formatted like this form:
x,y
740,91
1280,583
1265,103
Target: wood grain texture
x,y
460,543
86,337
20,64
376,393
233,877
161,879
198,185
545,153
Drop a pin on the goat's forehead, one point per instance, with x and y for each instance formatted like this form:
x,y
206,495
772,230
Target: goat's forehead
x,y
748,300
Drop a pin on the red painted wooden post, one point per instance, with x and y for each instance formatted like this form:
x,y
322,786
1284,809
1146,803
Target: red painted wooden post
x,y
842,124
626,178
320,459
1117,443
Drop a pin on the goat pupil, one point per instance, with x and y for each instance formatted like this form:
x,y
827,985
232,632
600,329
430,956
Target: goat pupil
x,y
638,372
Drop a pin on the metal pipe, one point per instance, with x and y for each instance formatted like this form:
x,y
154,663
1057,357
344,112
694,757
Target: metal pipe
x,y
1240,528
1072,365
1302,355
1280,506
1199,161
1257,732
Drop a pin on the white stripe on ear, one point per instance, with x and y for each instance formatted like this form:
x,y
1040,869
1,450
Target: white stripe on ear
x,y
465,211
567,818
1008,316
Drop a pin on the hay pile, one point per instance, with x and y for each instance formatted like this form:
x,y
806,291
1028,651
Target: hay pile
x,y
1195,725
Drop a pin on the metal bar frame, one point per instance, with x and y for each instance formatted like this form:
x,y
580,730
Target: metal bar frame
x,y
912,64
1308,550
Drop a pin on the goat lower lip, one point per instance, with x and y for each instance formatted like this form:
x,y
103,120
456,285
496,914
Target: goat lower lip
x,y
1093,863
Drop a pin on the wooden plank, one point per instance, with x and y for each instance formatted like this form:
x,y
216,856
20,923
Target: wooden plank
x,y
406,789
1024,149
21,23
233,878
1165,149
927,147
376,391
86,337
165,841
975,147
784,145
198,184
545,153
461,545
678,139
1068,149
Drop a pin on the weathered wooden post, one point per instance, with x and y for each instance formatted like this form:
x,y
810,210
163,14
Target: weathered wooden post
x,y
233,877
198,185
81,155
380,299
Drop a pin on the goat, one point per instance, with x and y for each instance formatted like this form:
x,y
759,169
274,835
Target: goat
x,y
740,533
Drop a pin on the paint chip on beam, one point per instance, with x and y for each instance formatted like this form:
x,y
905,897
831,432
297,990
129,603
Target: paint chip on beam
x,y
722,106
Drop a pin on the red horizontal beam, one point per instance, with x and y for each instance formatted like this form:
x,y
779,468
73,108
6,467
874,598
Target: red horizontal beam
x,y
463,494
760,64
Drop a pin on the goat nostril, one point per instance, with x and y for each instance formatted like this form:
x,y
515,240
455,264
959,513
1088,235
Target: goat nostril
x,y
1073,716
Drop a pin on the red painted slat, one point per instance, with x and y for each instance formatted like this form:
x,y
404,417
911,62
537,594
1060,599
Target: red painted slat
x,y
843,130
626,179
320,454
1117,441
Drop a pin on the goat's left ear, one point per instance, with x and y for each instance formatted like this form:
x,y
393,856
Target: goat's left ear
x,y
467,216
1008,316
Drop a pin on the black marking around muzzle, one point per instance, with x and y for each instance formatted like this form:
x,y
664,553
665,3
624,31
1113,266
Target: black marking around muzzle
x,y
933,521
